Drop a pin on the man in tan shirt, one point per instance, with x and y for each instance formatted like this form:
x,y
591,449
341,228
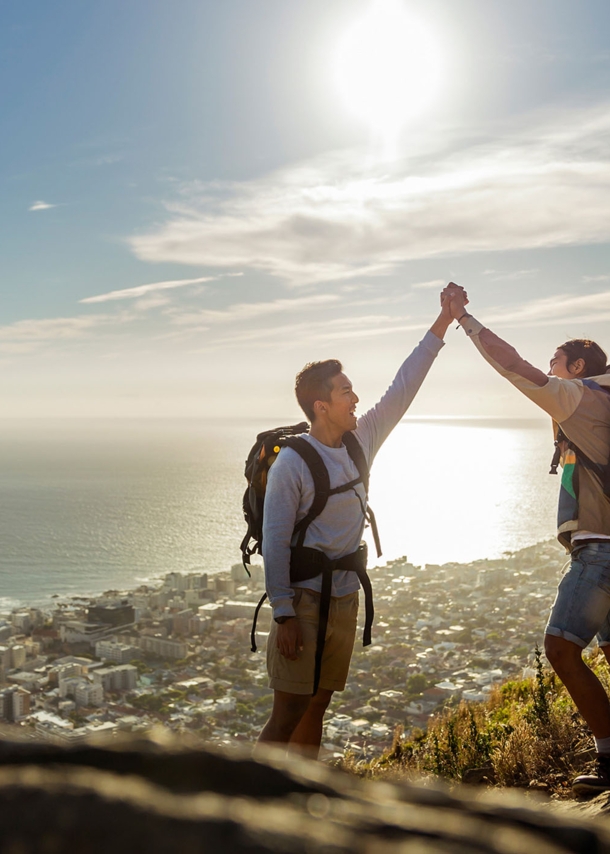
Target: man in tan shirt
x,y
576,394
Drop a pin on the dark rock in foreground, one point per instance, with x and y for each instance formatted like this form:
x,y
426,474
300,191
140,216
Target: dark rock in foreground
x,y
144,796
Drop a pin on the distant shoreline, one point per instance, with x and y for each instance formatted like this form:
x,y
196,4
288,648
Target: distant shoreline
x,y
71,598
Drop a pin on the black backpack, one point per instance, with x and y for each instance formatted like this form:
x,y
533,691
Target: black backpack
x,y
260,459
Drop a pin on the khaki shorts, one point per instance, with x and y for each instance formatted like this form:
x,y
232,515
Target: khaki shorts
x,y
296,677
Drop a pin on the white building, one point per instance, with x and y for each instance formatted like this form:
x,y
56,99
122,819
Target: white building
x,y
56,730
80,631
84,690
213,610
18,655
163,647
231,609
89,693
124,677
111,650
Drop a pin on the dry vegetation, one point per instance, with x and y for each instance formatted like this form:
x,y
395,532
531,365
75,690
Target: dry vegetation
x,y
527,735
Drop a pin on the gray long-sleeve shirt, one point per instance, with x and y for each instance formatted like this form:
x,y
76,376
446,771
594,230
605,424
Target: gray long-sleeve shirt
x,y
337,531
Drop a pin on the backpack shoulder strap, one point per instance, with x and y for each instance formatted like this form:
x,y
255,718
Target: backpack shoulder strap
x,y
354,449
321,482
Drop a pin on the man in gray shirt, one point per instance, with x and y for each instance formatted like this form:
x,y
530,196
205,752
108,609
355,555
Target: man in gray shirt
x,y
328,399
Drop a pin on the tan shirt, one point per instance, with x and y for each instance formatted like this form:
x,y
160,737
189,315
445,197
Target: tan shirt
x,y
583,415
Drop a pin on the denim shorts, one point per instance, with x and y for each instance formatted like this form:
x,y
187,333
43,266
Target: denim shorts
x,y
581,609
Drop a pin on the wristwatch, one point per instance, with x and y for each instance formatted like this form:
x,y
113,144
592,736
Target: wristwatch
x,y
281,620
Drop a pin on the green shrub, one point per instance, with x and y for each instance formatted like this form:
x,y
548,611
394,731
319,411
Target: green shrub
x,y
526,731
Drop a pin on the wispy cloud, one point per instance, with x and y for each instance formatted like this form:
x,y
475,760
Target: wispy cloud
x,y
41,206
499,275
433,283
254,311
142,290
331,329
562,309
603,278
23,336
544,184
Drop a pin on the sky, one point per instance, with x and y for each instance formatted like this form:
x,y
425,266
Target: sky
x,y
199,197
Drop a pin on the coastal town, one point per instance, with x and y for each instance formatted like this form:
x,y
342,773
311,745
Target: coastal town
x,y
177,654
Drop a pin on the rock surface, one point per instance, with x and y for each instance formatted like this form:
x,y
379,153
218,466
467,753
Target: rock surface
x,y
141,795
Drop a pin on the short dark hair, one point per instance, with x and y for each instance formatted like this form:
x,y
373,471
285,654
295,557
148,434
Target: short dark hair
x,y
314,382
583,348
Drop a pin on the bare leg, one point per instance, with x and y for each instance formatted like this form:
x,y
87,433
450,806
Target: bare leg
x,y
307,736
581,683
288,709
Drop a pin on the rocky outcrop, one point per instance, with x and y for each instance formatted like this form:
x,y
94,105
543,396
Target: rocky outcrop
x,y
146,796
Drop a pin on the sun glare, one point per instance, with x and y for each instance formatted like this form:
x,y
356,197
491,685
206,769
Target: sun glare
x,y
388,67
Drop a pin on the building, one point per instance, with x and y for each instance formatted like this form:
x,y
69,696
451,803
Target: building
x,y
89,693
111,650
231,609
29,680
84,690
56,730
21,621
124,677
181,621
198,624
81,632
14,703
112,614
160,647
178,581
213,610
18,655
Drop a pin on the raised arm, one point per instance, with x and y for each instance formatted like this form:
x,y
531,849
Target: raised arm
x,y
558,397
376,424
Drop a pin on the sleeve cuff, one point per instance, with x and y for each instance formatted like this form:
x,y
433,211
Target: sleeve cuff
x,y
471,326
433,342
283,608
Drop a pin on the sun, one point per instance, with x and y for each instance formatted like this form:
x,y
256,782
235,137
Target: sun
x,y
388,67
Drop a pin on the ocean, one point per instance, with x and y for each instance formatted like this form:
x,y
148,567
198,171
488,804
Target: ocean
x,y
90,506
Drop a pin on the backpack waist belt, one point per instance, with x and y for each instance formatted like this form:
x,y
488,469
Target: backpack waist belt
x,y
306,563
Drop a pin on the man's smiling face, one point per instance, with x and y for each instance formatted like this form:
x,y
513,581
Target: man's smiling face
x,y
341,408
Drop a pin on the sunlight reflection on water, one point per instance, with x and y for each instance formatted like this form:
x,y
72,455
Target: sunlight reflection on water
x,y
458,491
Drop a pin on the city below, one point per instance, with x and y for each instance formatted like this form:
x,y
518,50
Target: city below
x,y
177,654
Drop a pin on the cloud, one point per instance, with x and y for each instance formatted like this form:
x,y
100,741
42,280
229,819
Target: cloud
x,y
603,278
324,329
433,283
561,309
142,290
23,336
254,311
498,275
546,183
41,206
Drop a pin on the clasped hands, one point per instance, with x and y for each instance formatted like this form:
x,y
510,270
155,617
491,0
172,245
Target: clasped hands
x,y
454,299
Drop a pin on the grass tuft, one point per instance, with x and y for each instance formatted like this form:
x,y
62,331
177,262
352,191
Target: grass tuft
x,y
527,734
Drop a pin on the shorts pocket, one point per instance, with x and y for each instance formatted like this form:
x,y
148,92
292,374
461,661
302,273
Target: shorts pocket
x,y
307,606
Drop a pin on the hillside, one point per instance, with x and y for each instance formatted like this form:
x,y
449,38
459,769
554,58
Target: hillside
x,y
527,734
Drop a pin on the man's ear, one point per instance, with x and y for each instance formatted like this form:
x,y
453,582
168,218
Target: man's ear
x,y
319,407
